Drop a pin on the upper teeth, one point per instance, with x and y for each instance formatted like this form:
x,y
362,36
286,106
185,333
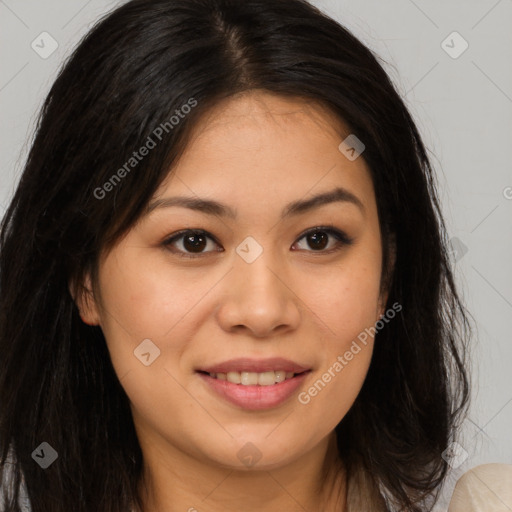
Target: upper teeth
x,y
252,378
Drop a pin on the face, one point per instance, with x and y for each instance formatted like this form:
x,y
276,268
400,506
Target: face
x,y
258,260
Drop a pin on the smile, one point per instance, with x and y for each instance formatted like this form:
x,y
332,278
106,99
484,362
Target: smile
x,y
254,379
254,397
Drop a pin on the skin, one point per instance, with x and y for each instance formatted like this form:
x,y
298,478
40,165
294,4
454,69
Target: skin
x,y
255,153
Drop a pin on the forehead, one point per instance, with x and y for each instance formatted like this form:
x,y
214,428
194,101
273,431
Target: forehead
x,y
266,148
258,113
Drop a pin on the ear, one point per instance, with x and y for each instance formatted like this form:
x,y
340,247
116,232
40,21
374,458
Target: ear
x,y
83,296
389,271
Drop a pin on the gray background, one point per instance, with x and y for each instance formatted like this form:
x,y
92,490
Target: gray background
x,y
463,108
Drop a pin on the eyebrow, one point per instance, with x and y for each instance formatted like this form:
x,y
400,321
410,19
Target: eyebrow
x,y
212,207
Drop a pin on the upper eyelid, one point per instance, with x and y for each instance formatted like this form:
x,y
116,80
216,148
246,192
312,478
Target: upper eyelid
x,y
184,232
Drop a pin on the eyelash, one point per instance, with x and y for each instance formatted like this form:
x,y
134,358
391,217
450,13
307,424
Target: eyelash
x,y
342,238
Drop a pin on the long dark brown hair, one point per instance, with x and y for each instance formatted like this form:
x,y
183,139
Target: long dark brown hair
x,y
128,76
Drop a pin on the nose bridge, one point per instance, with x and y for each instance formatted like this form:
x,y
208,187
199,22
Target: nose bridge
x,y
257,271
256,296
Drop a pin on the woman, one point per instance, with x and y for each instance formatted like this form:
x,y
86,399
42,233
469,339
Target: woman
x,y
224,276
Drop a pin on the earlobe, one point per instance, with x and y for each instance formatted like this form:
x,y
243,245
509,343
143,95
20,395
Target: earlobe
x,y
83,297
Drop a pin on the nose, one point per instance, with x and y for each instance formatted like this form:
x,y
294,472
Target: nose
x,y
256,298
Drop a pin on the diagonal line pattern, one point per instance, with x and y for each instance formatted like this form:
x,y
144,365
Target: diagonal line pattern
x,y
13,77
497,497
218,485
424,14
492,81
486,14
192,307
198,402
269,474
487,281
14,14
280,423
76,14
492,211
286,491
421,79
480,430
497,414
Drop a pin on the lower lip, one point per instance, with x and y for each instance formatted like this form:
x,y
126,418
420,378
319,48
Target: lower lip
x,y
255,398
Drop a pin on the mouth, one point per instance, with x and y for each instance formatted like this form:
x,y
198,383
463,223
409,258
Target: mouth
x,y
254,384
241,378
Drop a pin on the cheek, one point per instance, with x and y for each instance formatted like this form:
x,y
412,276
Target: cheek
x,y
336,384
346,300
337,381
148,299
347,308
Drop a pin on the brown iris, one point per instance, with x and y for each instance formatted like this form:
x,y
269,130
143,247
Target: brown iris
x,y
318,240
194,242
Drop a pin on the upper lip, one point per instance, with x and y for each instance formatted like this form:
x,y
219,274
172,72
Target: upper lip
x,y
245,364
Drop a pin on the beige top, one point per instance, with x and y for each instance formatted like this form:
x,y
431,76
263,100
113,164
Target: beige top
x,y
485,488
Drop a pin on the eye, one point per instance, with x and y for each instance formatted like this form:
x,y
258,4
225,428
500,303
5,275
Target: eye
x,y
190,243
325,239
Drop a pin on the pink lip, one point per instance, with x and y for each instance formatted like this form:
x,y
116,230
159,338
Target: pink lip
x,y
255,365
255,398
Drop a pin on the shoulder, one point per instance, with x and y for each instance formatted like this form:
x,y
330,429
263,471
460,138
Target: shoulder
x,y
485,488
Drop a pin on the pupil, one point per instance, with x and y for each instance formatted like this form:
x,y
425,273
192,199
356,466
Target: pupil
x,y
194,242
318,240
